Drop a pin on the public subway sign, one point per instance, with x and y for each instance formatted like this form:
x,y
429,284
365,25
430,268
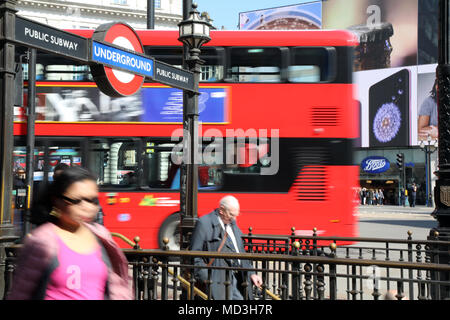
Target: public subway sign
x,y
175,77
121,59
119,66
375,164
49,39
116,56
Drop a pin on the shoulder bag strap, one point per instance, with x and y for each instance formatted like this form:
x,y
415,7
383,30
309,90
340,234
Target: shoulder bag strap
x,y
220,248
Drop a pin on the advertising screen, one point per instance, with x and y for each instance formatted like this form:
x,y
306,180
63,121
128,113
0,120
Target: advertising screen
x,y
394,69
151,104
295,17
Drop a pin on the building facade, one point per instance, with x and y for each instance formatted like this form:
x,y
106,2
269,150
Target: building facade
x,y
391,180
88,14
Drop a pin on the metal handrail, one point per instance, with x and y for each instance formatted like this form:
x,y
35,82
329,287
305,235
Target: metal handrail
x,y
122,237
346,239
313,278
291,258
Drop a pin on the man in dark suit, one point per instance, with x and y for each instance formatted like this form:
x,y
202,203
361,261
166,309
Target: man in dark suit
x,y
208,236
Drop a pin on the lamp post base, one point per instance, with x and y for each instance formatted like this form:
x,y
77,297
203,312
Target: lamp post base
x,y
7,237
438,254
187,226
430,201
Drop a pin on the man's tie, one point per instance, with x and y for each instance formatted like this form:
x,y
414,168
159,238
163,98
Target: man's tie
x,y
233,240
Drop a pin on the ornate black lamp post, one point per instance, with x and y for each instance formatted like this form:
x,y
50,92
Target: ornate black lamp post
x,y
194,32
442,189
429,148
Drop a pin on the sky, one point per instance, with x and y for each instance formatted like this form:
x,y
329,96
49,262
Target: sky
x,y
226,12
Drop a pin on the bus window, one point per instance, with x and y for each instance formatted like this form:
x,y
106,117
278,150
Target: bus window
x,y
312,64
162,166
67,154
170,55
212,69
247,157
248,64
210,170
115,162
159,169
19,158
63,72
213,57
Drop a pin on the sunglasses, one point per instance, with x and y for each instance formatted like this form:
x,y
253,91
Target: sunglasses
x,y
78,201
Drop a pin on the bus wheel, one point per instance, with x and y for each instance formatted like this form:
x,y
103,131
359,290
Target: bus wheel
x,y
170,229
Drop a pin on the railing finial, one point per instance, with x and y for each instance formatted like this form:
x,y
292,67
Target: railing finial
x,y
166,243
333,247
409,234
136,242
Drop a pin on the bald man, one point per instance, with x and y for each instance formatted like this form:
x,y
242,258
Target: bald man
x,y
208,235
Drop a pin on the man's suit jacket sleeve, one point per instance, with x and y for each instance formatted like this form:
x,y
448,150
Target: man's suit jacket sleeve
x,y
198,243
245,263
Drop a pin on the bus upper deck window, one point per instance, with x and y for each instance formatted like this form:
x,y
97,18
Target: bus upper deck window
x,y
312,64
213,57
250,64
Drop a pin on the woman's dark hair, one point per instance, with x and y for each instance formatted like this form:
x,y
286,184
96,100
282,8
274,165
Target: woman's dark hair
x,y
67,177
433,91
60,166
40,212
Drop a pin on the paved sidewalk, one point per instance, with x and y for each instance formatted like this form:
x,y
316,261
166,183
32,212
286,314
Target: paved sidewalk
x,y
395,209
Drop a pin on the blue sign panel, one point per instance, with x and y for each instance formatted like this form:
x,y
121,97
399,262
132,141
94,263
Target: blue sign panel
x,y
375,164
115,57
165,105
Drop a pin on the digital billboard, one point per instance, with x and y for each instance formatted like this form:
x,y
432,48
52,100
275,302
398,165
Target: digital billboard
x,y
152,104
295,17
394,67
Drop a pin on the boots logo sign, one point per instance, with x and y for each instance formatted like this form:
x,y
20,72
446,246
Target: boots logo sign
x,y
375,164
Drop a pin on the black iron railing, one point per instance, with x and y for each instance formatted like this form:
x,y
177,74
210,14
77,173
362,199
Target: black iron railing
x,y
297,268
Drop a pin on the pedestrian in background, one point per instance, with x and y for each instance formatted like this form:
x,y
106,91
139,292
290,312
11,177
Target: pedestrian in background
x,y
364,196
381,197
70,257
218,232
403,195
413,195
376,198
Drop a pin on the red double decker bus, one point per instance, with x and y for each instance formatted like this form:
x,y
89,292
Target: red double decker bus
x,y
278,121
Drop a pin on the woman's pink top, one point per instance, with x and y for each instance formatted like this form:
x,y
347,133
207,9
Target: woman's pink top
x,y
78,276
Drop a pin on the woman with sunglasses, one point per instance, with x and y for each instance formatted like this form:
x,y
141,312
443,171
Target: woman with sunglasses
x,y
70,257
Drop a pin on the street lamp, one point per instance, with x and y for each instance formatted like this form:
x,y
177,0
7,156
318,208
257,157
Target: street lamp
x,y
194,32
429,148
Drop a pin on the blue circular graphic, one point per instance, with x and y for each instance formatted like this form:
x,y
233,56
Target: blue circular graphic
x,y
387,122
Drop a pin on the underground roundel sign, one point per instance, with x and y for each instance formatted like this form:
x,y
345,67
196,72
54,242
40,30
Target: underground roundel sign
x,y
114,82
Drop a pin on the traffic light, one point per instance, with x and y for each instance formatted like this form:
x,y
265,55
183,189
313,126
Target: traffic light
x,y
105,159
400,160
